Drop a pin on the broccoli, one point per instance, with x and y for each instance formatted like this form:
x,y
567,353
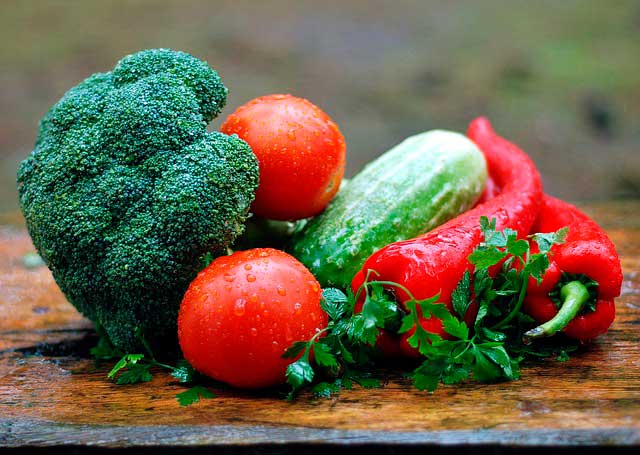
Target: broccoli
x,y
126,190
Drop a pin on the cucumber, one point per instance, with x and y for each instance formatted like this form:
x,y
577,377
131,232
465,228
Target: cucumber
x,y
419,184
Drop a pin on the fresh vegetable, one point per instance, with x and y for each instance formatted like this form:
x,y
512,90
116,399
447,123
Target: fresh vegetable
x,y
126,190
434,263
577,292
417,185
488,349
242,312
301,153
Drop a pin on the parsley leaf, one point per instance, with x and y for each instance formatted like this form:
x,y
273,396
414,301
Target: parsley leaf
x,y
299,373
134,374
184,372
461,295
193,395
546,240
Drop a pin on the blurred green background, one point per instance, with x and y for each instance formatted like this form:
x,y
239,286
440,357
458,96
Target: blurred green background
x,y
560,78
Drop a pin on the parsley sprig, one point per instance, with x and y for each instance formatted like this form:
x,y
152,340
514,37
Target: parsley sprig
x,y
490,350
138,367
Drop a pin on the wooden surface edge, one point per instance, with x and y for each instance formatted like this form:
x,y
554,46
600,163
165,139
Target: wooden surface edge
x,y
30,433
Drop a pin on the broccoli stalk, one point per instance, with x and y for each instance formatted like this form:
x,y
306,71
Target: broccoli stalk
x,y
126,190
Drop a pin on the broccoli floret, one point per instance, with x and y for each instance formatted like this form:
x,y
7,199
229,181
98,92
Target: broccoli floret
x,y
126,190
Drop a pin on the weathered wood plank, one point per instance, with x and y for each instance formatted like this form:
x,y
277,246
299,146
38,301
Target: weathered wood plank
x,y
52,393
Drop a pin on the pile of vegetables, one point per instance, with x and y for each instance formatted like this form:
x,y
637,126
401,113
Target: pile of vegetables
x,y
445,250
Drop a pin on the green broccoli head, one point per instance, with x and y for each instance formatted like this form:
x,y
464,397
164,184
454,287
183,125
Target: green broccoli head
x,y
126,190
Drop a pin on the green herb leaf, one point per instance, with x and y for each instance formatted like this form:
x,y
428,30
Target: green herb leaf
x,y
333,301
428,374
455,327
299,373
485,370
125,362
295,349
327,389
134,374
517,248
546,240
461,295
537,266
323,356
193,395
484,257
184,372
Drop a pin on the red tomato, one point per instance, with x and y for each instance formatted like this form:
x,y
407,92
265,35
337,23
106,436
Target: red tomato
x,y
243,311
300,150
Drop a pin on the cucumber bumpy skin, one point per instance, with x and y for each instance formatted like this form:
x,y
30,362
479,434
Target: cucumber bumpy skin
x,y
419,184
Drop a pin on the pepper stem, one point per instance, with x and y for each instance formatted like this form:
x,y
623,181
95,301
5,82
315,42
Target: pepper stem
x,y
574,295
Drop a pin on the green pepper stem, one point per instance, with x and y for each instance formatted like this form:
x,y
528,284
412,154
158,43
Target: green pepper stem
x,y
574,295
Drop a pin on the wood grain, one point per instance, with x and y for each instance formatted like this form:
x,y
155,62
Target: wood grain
x,y
52,393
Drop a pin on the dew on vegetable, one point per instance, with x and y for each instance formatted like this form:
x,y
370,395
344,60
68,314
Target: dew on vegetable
x,y
281,291
297,307
253,298
228,277
239,307
251,278
313,286
253,331
247,267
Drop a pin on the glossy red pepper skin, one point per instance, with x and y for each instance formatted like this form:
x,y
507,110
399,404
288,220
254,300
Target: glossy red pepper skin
x,y
435,262
586,251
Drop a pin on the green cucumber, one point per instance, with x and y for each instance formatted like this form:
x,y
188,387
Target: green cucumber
x,y
419,184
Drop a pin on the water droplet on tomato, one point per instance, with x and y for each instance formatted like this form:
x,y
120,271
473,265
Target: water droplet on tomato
x,y
251,278
282,291
247,267
253,298
313,286
253,331
297,307
228,277
239,307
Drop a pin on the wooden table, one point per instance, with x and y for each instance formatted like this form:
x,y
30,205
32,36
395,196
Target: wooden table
x,y
53,396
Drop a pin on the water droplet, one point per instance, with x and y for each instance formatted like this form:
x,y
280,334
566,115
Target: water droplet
x,y
282,291
251,278
247,267
253,298
228,277
239,307
253,331
263,254
313,286
297,307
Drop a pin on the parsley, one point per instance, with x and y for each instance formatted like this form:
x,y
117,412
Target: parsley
x,y
489,350
193,395
137,368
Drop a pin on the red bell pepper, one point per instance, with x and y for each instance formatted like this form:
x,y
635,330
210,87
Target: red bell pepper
x,y
435,262
588,253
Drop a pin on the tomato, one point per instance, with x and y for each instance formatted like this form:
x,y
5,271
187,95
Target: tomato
x,y
300,150
243,311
